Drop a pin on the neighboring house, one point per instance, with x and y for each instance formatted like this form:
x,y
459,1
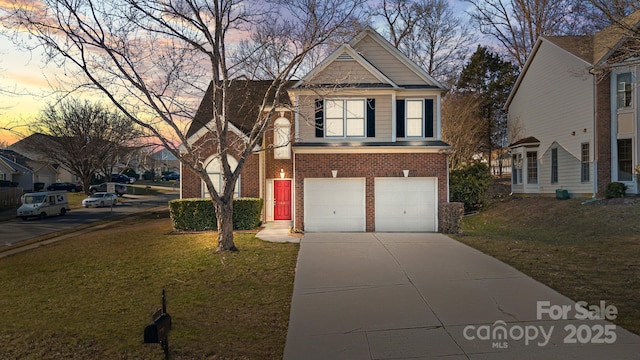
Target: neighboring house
x,y
573,115
367,153
17,168
162,161
31,147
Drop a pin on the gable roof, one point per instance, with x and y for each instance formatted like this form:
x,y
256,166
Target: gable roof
x,y
245,98
349,50
13,164
346,51
420,72
593,50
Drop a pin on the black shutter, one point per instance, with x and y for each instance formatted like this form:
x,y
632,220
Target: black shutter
x,y
428,118
400,118
319,118
371,117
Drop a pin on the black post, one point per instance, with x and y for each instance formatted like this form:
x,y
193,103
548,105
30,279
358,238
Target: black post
x,y
165,342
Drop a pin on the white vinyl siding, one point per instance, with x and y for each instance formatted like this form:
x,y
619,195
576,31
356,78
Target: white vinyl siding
x,y
554,101
569,174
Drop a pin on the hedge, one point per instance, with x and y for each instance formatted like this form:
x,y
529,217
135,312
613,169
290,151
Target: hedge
x,y
198,214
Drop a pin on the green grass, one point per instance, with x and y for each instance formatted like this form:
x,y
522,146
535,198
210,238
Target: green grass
x,y
91,296
586,252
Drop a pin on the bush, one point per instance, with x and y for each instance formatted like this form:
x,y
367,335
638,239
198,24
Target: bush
x,y
615,190
149,175
469,185
37,186
199,214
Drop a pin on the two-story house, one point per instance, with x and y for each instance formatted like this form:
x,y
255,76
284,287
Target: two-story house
x,y
366,153
574,114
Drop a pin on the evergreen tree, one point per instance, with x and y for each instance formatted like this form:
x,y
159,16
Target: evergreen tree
x,y
490,79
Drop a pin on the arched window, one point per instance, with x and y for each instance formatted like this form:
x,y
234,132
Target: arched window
x,y
282,139
214,169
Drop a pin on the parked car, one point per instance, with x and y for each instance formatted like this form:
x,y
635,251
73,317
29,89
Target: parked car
x,y
120,178
171,176
64,186
100,199
121,189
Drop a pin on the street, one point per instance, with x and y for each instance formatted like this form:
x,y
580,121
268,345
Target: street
x,y
16,230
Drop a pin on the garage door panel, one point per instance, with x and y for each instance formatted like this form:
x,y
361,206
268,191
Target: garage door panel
x,y
405,204
334,205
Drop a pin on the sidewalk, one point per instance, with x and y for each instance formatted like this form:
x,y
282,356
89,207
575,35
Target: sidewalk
x,y
277,231
427,296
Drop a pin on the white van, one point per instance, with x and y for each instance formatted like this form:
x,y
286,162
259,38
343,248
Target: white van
x,y
43,204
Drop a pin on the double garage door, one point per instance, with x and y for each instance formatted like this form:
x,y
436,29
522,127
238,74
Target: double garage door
x,y
401,204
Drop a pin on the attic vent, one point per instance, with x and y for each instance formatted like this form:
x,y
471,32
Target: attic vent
x,y
344,57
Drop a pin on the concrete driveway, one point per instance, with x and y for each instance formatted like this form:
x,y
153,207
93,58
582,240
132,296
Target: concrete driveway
x,y
426,296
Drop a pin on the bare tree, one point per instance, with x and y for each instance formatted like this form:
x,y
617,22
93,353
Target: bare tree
x,y
429,33
153,58
81,136
462,128
517,24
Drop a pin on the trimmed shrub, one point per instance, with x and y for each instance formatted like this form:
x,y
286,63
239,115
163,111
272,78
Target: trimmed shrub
x,y
199,214
37,186
469,185
615,190
149,175
449,217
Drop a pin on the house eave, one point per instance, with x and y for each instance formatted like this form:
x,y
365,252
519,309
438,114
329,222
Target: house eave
x,y
429,146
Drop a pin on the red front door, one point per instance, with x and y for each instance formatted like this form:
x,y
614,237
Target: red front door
x,y
282,200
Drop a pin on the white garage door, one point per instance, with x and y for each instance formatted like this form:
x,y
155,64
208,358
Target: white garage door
x,y
406,204
334,205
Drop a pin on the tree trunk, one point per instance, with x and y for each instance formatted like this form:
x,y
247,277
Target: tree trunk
x,y
224,215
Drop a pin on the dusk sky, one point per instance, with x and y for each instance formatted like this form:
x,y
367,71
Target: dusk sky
x,y
27,75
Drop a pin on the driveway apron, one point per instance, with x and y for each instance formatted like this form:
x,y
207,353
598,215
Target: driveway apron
x,y
427,296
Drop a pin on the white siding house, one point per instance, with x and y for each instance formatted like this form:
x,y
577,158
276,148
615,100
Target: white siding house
x,y
553,103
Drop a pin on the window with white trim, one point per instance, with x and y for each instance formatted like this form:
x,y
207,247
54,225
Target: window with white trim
x,y
624,90
625,160
584,162
532,167
3,176
345,117
414,118
214,170
282,139
516,172
554,165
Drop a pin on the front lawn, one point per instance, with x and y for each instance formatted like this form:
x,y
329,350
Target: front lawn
x,y
587,252
90,297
